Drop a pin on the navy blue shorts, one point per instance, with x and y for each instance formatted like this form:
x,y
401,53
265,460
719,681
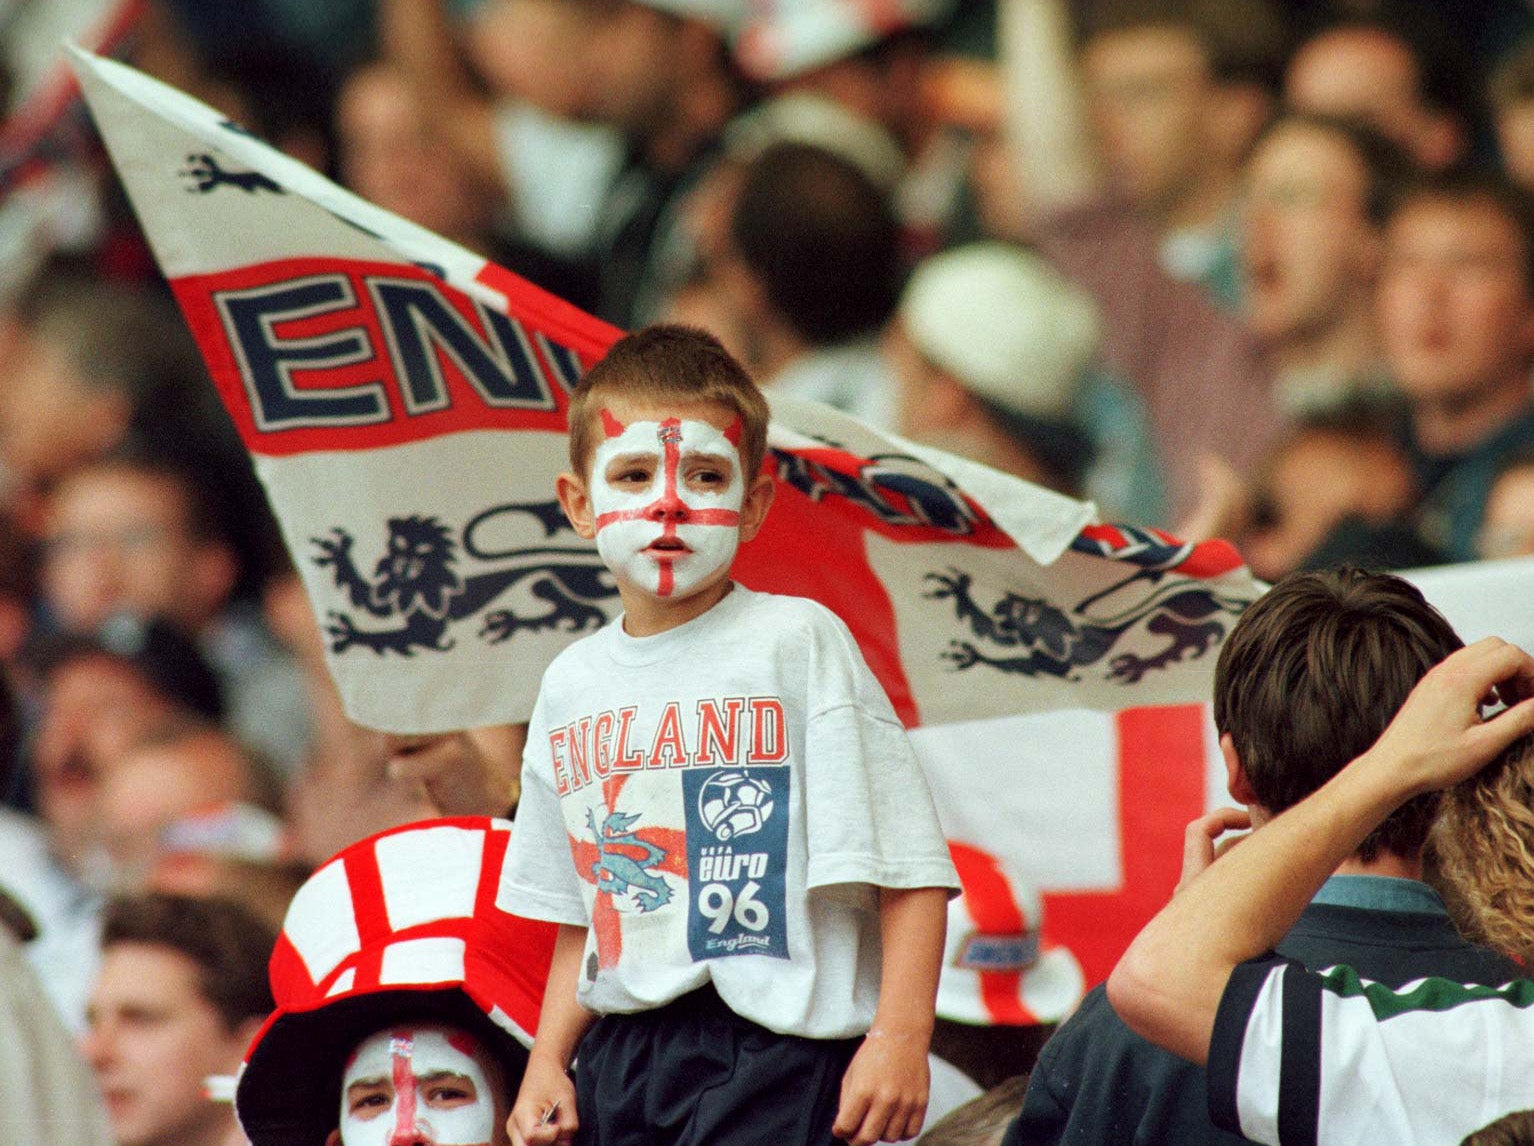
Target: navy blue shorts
x,y
694,1073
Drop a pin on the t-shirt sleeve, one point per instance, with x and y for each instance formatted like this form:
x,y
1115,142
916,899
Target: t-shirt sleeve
x,y
539,880
869,815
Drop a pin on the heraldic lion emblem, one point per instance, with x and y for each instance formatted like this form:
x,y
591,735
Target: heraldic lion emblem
x,y
419,590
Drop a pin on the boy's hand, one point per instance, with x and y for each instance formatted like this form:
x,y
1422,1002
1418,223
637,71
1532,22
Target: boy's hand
x,y
884,1092
544,1113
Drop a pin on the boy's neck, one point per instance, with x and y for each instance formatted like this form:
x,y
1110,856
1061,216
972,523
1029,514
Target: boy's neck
x,y
645,616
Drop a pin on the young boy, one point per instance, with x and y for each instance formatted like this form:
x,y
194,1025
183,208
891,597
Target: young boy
x,y
719,807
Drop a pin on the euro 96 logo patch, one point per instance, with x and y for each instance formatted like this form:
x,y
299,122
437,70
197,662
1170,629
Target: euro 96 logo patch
x,y
737,853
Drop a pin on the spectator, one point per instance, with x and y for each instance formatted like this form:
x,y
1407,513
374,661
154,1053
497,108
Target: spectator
x,y
843,77
1335,476
1456,314
1507,527
153,798
1381,75
99,696
180,994
1318,191
140,533
811,271
1360,1062
995,358
1311,675
502,89
390,155
102,695
1199,372
660,75
1178,92
837,52
352,968
94,363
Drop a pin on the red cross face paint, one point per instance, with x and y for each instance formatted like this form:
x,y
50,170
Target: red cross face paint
x,y
667,497
416,1086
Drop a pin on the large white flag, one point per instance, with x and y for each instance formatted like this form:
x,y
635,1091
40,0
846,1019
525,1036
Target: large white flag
x,y
404,402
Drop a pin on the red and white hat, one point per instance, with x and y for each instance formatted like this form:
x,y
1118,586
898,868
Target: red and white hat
x,y
997,970
400,927
780,39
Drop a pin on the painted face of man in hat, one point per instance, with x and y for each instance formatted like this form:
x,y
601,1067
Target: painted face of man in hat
x,y
421,1084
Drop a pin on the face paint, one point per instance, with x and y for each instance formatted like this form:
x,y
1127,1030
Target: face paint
x,y
422,1076
667,516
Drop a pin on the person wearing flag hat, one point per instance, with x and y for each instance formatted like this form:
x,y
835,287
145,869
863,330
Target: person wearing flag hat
x,y
405,996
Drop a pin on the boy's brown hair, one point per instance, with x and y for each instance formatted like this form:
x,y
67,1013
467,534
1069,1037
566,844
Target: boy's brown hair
x,y
1313,673
669,363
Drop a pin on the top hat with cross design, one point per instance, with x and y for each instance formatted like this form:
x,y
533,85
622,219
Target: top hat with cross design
x,y
399,928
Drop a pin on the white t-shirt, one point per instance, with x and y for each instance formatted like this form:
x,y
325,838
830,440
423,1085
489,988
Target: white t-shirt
x,y
732,791
1308,1059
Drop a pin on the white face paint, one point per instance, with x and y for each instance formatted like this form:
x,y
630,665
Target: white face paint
x,y
667,497
414,1085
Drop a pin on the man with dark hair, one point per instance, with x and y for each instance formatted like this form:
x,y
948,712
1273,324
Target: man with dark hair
x,y
1456,316
812,270
1177,92
181,993
1303,1056
1307,680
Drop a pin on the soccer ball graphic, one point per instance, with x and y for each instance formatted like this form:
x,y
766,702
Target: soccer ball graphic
x,y
734,804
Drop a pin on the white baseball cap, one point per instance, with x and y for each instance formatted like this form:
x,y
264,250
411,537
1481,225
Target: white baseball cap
x,y
1006,325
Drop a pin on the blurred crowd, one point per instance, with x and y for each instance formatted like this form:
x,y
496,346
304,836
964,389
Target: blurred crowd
x,y
1244,268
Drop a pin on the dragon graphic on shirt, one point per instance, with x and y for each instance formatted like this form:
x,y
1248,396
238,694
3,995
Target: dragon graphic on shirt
x,y
623,861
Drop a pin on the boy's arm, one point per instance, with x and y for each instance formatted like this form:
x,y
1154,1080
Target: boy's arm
x,y
544,1112
884,1092
1168,986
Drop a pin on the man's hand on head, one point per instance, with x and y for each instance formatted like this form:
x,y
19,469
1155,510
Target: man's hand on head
x,y
1440,736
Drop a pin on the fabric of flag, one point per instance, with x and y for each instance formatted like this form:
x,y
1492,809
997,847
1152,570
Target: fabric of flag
x,y
404,402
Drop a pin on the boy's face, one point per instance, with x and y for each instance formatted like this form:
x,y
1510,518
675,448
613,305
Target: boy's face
x,y
666,498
